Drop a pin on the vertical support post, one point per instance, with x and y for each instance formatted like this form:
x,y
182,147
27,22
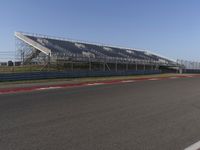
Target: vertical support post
x,y
104,66
156,67
144,67
49,59
22,58
90,66
72,66
57,66
136,66
180,70
116,66
126,66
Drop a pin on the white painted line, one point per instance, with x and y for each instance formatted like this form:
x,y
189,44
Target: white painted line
x,y
153,79
195,146
48,88
128,81
189,76
92,84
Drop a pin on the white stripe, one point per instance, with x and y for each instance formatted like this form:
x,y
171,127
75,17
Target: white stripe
x,y
153,79
189,76
195,146
91,84
48,88
128,81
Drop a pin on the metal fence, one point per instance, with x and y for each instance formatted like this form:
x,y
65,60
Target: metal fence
x,y
189,65
65,63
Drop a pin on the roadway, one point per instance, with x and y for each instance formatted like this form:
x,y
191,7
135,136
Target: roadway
x,y
146,115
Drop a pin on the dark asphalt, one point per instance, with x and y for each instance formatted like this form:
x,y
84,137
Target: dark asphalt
x,y
147,115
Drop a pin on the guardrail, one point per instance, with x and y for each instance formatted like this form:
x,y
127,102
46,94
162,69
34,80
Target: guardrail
x,y
54,75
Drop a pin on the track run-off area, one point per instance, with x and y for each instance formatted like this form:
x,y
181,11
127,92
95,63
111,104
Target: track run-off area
x,y
146,114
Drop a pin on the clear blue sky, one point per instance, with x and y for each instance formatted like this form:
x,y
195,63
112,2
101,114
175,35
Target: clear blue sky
x,y
168,27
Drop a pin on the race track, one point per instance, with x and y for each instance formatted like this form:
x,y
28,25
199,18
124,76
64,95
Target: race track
x,y
146,115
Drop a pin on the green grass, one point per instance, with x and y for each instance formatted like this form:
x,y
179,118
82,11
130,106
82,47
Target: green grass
x,y
23,69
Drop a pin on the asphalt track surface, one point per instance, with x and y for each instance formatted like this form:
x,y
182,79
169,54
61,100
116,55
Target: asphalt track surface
x,y
146,115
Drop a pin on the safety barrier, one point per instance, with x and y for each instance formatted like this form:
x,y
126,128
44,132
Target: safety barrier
x,y
54,75
191,71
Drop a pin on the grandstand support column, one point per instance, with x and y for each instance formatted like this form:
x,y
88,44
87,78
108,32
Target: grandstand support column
x,y
116,66
152,67
22,58
136,66
156,67
49,61
180,70
72,66
90,66
126,66
144,67
104,66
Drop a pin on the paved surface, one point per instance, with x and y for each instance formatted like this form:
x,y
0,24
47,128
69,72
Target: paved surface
x,y
146,115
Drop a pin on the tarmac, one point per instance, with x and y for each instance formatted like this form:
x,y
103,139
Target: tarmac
x,y
147,115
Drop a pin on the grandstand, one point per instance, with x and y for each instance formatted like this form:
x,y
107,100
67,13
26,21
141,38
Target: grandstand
x,y
73,54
